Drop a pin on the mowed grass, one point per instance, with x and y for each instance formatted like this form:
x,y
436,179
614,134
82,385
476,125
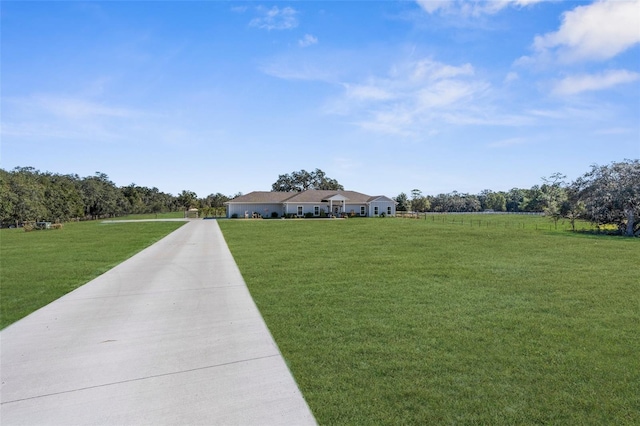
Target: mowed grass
x,y
166,215
40,266
400,321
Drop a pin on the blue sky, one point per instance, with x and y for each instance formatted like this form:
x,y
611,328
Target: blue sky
x,y
384,96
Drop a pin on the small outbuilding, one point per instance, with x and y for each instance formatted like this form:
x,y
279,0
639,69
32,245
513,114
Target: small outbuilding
x,y
192,213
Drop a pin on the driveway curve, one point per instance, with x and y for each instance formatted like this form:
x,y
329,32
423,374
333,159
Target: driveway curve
x,y
170,336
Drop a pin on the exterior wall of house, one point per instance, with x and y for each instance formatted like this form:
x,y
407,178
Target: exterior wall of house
x,y
292,208
386,207
374,208
261,209
356,209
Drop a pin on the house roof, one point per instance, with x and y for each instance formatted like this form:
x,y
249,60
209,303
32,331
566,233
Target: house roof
x,y
309,196
318,196
262,197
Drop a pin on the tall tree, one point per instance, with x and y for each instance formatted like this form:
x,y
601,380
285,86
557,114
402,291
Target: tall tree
x,y
187,199
419,203
403,202
27,195
6,197
515,199
490,200
611,195
101,197
554,196
303,180
62,197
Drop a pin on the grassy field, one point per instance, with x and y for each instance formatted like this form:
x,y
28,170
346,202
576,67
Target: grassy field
x,y
400,321
168,215
39,267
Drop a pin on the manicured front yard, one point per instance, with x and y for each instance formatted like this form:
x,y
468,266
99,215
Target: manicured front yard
x,y
399,321
40,266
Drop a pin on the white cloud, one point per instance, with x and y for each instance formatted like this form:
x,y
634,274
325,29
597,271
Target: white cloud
x,y
471,7
366,92
275,18
511,77
75,108
598,32
66,117
431,6
413,95
575,84
307,40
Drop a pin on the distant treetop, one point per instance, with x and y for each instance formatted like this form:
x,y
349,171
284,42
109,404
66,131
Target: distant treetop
x,y
303,180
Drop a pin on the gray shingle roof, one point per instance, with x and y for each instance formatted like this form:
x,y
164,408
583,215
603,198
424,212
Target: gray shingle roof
x,y
316,196
262,197
309,196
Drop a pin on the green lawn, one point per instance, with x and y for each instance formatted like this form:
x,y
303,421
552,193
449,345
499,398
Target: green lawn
x,y
40,266
401,321
167,215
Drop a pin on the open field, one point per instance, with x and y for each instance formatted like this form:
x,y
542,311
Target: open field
x,y
400,321
168,215
39,267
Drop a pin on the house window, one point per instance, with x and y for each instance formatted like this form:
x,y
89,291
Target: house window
x,y
299,210
316,211
389,210
362,211
375,210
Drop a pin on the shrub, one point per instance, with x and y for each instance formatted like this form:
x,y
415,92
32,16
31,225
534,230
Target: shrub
x,y
308,215
274,215
28,227
234,216
56,226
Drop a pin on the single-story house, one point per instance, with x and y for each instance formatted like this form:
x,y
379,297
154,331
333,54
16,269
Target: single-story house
x,y
264,203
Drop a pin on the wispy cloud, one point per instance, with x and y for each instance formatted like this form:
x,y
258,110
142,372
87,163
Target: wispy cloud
x,y
307,40
576,84
66,117
471,7
412,96
275,18
595,32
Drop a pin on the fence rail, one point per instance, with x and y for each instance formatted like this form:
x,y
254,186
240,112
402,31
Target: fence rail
x,y
421,214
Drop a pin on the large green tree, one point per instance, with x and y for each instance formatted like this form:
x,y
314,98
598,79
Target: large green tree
x,y
101,197
62,197
26,195
303,180
403,202
611,195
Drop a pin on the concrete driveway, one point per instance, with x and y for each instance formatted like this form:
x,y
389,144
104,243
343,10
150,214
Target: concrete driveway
x,y
170,336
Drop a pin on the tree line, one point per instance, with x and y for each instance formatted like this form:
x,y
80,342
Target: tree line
x,y
605,195
28,195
